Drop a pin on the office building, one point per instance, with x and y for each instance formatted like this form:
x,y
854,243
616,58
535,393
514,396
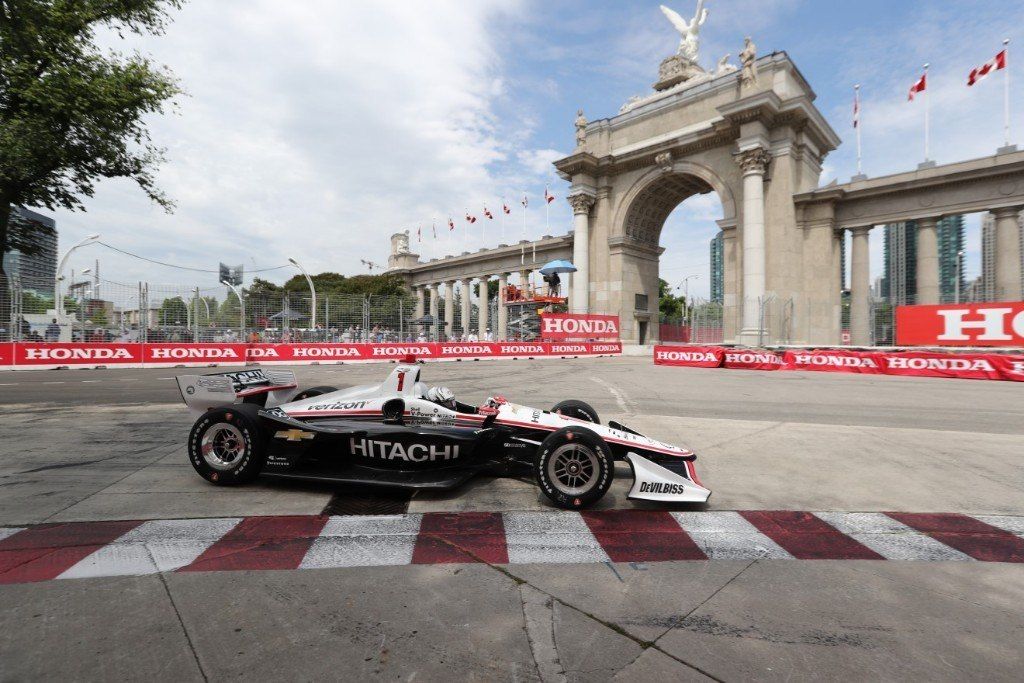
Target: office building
x,y
717,268
35,270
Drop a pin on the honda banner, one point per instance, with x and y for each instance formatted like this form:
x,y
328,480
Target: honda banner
x,y
194,354
1002,366
690,356
558,326
59,354
984,324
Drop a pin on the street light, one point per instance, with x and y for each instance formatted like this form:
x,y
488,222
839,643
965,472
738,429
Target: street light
x,y
58,301
241,307
685,284
312,290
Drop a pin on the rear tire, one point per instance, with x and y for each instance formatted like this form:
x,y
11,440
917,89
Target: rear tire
x,y
574,468
577,409
228,445
313,391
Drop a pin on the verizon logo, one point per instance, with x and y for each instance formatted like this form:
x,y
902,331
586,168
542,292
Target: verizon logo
x,y
995,324
78,354
834,361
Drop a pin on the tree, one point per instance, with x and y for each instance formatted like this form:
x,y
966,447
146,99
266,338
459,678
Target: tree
x,y
72,113
174,311
670,306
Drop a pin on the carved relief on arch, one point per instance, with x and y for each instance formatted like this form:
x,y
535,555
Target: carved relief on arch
x,y
651,207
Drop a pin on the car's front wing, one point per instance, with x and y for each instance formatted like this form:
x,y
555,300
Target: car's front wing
x,y
654,482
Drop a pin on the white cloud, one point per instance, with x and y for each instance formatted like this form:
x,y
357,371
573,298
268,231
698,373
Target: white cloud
x,y
539,160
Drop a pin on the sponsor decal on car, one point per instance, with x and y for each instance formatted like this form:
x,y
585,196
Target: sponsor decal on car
x,y
337,405
392,450
662,487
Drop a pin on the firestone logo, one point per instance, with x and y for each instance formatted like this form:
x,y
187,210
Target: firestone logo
x,y
835,361
572,325
78,354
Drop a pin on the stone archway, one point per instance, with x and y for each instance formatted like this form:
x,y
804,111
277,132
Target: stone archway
x,y
755,143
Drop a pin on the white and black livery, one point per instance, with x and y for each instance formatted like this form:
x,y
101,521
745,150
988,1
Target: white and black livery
x,y
402,433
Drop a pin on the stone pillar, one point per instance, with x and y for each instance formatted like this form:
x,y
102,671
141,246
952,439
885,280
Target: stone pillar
x,y
927,262
754,163
483,302
419,301
860,288
433,298
579,300
1008,256
501,334
449,309
464,318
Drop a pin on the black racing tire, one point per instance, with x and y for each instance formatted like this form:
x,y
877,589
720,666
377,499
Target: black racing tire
x,y
234,441
574,467
577,409
313,391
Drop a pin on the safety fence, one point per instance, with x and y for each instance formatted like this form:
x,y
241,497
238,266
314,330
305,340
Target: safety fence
x,y
42,356
705,322
992,366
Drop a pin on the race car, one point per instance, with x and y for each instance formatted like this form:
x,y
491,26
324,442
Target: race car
x,y
402,433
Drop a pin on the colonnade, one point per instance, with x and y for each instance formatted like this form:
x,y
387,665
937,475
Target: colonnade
x,y
430,295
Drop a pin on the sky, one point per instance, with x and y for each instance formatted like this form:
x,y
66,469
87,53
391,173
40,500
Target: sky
x,y
314,130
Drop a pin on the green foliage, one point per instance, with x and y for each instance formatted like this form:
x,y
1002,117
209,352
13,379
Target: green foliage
x,y
70,112
174,311
670,306
333,283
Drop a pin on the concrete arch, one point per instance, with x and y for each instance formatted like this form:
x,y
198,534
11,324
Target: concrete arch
x,y
656,193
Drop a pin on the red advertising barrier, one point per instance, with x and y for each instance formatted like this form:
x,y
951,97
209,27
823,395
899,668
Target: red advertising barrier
x,y
907,363
53,355
984,324
689,356
752,359
559,326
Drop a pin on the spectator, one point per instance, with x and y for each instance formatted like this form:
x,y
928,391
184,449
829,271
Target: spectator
x,y
53,331
489,336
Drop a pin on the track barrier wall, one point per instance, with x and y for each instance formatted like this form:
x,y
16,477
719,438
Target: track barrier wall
x,y
43,356
907,363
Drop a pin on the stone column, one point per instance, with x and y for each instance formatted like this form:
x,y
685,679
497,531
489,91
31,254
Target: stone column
x,y
501,334
419,301
579,299
449,309
754,163
464,292
432,288
1008,257
927,262
482,303
860,288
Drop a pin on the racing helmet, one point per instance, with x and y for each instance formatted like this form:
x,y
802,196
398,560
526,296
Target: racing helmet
x,y
442,396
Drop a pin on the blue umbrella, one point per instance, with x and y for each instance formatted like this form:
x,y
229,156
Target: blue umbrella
x,y
558,266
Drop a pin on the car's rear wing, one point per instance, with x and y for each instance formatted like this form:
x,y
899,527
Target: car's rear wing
x,y
269,388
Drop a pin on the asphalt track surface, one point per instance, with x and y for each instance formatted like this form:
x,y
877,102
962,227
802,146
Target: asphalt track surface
x,y
861,528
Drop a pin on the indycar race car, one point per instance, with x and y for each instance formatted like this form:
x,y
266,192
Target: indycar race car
x,y
402,433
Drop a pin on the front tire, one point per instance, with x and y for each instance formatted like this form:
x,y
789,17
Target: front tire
x,y
577,409
574,468
228,445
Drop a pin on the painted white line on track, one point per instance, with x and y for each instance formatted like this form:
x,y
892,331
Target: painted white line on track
x,y
156,546
1015,525
88,381
550,537
728,536
889,538
128,379
53,382
370,541
9,384
8,531
620,398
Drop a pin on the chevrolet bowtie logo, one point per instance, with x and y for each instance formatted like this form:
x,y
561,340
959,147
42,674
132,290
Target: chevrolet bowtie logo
x,y
293,435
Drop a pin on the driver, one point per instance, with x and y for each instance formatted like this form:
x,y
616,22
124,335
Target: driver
x,y
442,396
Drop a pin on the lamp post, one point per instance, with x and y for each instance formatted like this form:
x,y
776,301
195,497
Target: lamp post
x,y
58,301
312,291
241,308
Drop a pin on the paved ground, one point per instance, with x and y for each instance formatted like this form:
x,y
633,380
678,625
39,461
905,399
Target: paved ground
x,y
108,445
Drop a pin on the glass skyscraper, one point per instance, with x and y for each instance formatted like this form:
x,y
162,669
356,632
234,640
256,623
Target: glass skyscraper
x,y
899,280
717,268
36,271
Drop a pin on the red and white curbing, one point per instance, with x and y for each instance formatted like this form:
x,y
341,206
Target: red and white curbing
x,y
130,548
997,366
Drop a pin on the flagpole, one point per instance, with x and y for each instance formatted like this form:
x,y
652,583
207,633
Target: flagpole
x,y
1006,94
503,205
927,101
522,251
856,95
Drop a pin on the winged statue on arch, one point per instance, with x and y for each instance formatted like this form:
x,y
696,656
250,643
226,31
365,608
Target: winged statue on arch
x,y
689,31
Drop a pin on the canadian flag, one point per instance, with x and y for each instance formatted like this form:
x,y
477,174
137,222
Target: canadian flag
x,y
856,108
488,214
995,64
419,233
919,86
504,207
470,219
525,202
451,223
548,197
433,226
